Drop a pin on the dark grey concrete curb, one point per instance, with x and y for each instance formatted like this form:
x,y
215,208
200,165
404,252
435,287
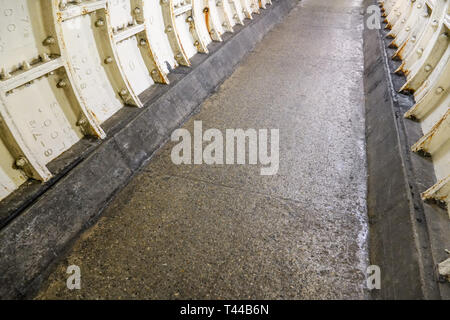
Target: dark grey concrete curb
x,y
407,236
32,242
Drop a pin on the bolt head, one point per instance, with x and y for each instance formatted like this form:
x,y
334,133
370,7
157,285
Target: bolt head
x,y
99,23
21,162
63,5
4,75
49,41
81,122
45,57
61,84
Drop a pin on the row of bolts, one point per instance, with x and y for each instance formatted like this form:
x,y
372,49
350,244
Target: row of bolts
x,y
420,51
5,75
63,3
21,162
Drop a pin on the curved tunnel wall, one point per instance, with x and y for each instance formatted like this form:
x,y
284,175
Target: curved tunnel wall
x,y
420,32
68,66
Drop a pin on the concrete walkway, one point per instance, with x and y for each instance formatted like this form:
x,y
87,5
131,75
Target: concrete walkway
x,y
226,232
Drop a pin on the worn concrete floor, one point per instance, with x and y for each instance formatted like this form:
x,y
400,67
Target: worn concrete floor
x,y
226,232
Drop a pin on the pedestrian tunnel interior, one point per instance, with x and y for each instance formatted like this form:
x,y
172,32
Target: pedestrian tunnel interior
x,y
68,67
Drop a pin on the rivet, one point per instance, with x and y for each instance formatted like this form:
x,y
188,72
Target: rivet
x,y
21,162
123,92
4,75
99,23
439,90
142,42
61,84
137,10
189,19
154,72
45,57
428,68
169,29
81,122
109,60
63,5
49,41
26,66
196,43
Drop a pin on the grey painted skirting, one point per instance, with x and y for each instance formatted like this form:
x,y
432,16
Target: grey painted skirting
x,y
407,236
42,222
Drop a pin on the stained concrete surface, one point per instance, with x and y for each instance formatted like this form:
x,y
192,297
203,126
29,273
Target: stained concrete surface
x,y
226,232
